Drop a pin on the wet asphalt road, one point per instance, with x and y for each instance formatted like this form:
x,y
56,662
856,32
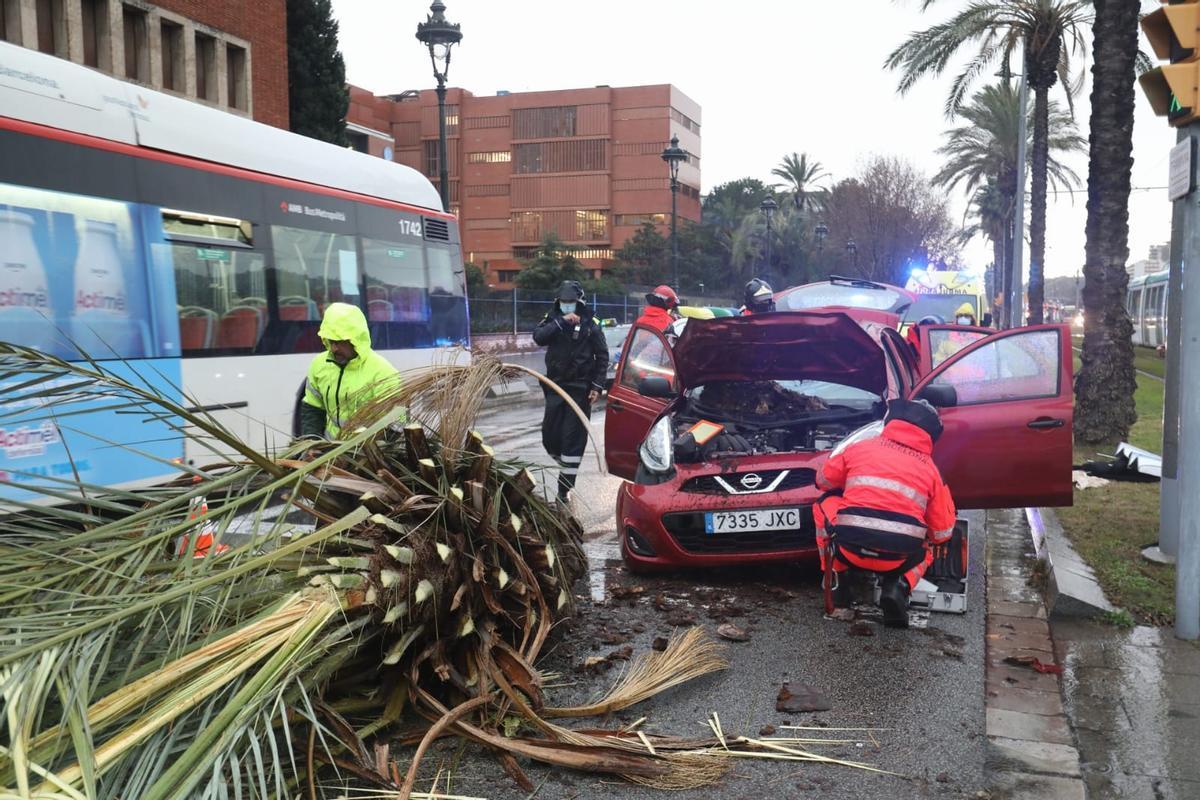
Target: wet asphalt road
x,y
925,686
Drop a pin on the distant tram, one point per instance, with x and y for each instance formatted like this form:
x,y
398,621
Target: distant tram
x,y
1146,302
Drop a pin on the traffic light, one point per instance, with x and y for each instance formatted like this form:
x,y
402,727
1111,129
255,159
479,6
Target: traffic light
x,y
1174,89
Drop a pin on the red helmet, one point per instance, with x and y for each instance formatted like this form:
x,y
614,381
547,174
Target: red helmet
x,y
663,297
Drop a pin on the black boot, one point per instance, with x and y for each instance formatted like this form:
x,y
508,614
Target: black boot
x,y
893,599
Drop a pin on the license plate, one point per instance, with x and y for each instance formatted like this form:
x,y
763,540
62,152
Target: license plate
x,y
759,519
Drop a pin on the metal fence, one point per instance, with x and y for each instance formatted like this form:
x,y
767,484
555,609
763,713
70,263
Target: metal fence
x,y
520,310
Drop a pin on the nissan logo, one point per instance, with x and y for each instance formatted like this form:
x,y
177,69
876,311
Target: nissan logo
x,y
751,481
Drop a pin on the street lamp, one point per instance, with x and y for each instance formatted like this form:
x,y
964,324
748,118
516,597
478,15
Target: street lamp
x,y
768,208
821,231
674,156
439,36
852,249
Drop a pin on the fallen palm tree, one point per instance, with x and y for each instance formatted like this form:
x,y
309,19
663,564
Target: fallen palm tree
x,y
346,590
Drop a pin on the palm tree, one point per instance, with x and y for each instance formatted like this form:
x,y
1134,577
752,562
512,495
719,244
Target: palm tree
x,y
1047,33
1104,393
801,175
981,155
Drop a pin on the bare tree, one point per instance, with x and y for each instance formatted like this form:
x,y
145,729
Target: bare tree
x,y
896,218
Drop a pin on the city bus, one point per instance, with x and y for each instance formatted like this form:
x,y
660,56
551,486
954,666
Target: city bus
x,y
197,249
941,292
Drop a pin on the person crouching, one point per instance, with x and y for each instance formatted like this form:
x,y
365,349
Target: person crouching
x,y
885,506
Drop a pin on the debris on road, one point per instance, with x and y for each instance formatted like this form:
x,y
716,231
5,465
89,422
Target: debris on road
x,y
803,699
659,644
733,633
1034,663
842,615
862,627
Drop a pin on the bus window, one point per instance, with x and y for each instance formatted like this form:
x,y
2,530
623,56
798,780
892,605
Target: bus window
x,y
314,269
222,297
446,295
74,276
396,282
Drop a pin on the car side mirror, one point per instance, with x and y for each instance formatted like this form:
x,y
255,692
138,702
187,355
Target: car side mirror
x,y
655,386
940,396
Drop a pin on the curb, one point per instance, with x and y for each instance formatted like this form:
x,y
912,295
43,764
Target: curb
x,y
1031,751
1072,589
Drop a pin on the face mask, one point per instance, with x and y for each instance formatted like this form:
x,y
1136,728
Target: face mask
x,y
567,308
964,320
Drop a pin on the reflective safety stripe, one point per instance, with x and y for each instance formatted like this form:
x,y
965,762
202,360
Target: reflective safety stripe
x,y
890,485
572,459
569,471
884,525
942,536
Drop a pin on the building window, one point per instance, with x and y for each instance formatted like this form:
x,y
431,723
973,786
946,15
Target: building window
x,y
544,123
237,93
136,28
358,141
508,275
431,161
494,157
579,252
685,121
488,190
577,156
689,191
638,220
10,21
591,225
487,122
52,27
640,148
206,67
527,226
172,56
94,21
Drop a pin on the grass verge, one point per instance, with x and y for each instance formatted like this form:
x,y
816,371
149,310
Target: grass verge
x,y
1110,525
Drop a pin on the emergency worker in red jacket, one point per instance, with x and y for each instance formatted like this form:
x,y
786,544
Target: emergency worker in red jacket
x,y
893,505
661,305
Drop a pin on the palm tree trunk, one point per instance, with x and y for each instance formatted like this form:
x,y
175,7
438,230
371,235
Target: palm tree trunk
x,y
1037,202
997,267
1104,405
1006,283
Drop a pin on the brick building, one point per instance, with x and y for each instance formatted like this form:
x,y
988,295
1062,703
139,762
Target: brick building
x,y
584,164
224,53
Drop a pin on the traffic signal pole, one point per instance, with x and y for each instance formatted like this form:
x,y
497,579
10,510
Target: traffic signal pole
x,y
1016,298
1174,92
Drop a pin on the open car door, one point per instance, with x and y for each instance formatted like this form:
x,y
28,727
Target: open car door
x,y
629,414
1007,437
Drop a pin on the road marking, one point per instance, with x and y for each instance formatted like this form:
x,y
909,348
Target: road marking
x,y
599,553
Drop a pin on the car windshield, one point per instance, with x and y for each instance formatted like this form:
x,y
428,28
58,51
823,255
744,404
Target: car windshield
x,y
616,336
942,306
777,401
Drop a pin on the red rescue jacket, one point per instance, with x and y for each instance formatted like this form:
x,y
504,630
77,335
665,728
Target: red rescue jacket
x,y
893,496
657,318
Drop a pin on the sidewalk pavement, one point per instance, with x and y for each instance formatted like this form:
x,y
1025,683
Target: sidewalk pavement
x,y
1123,721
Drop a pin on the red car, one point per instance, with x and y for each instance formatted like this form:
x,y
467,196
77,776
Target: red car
x,y
772,395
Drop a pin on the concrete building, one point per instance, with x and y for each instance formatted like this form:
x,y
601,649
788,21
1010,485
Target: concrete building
x,y
583,164
224,53
1158,259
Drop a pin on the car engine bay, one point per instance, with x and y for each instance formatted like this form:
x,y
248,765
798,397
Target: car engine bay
x,y
762,418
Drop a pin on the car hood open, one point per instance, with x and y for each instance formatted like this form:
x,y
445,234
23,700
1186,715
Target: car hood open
x,y
785,345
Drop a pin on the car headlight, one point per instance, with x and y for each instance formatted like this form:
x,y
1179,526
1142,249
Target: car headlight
x,y
657,451
861,435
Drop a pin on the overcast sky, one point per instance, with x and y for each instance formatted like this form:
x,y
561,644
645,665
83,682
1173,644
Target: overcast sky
x,y
771,77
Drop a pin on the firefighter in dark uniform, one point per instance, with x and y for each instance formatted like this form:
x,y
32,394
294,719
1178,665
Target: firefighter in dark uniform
x,y
577,360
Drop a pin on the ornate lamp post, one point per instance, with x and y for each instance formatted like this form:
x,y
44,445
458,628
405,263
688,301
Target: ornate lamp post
x,y
440,36
674,156
768,208
852,249
821,231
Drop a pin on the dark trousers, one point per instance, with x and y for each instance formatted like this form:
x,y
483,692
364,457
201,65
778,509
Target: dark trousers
x,y
564,435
